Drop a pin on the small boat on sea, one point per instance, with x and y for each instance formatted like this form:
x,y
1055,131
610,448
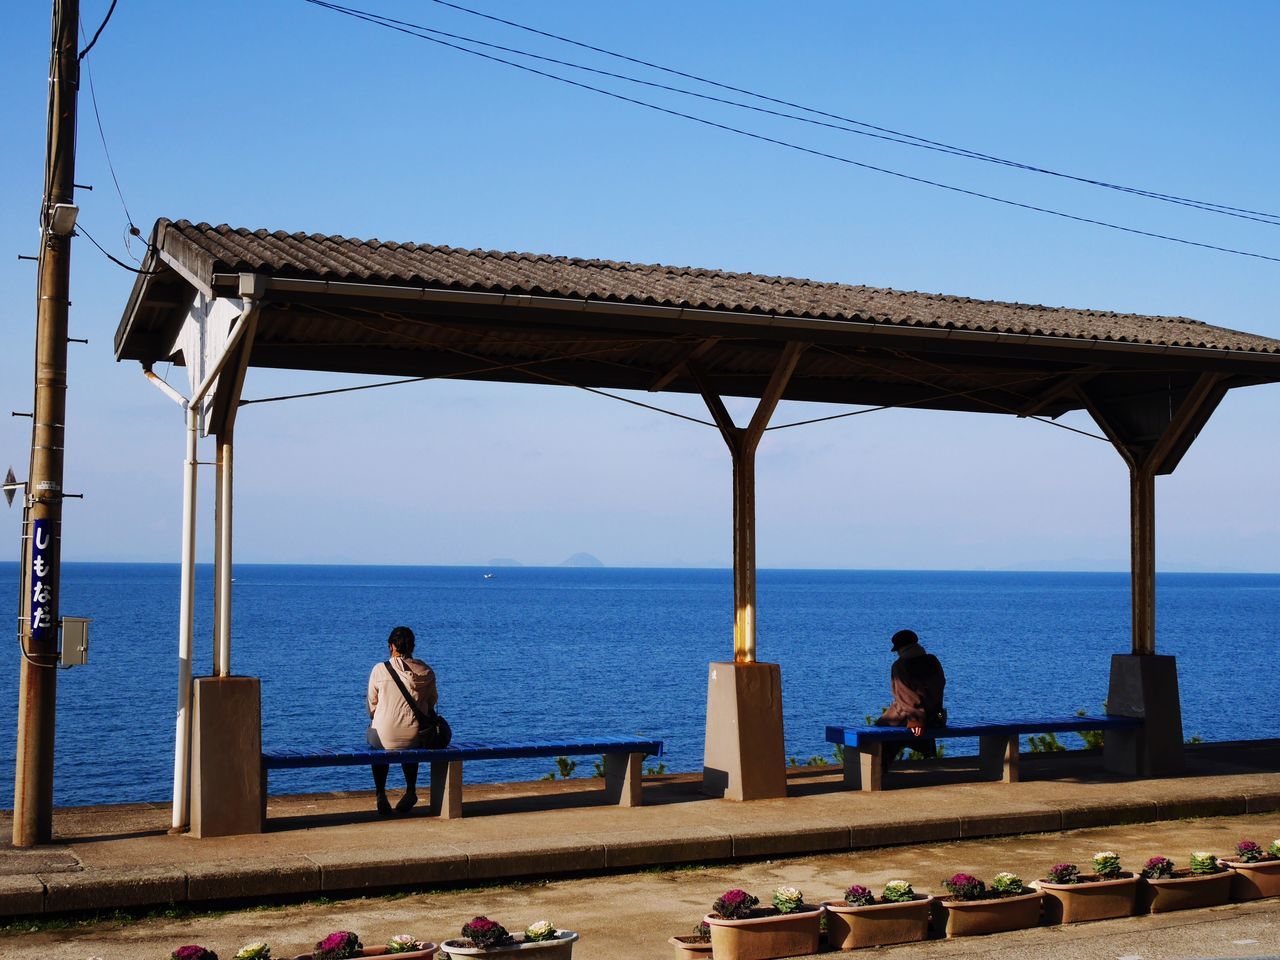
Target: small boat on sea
x,y
488,576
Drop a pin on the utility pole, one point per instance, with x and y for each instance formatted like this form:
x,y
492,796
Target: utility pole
x,y
42,522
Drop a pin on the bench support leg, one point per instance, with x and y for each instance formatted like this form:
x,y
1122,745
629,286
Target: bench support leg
x,y
871,762
999,757
622,772
446,789
852,768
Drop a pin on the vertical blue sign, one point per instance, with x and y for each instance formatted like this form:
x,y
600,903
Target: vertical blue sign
x,y
41,590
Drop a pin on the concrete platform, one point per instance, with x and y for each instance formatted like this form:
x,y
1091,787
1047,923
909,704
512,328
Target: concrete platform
x,y
121,856
629,916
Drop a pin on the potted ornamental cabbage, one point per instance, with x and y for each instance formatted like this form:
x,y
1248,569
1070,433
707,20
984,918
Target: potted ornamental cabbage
x,y
345,945
483,937
693,947
860,919
743,930
193,951
973,909
1206,883
1072,897
1255,872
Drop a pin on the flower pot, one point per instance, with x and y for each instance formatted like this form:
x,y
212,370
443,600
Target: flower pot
x,y
1089,900
1253,881
558,948
763,938
967,918
1187,892
687,950
426,953
877,924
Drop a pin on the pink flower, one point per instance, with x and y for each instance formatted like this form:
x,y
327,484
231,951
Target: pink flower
x,y
339,945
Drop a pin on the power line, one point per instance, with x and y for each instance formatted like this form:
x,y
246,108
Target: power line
x,y
923,142
97,33
116,260
131,230
361,15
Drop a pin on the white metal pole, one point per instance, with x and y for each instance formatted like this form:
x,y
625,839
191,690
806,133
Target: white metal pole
x,y
186,630
224,556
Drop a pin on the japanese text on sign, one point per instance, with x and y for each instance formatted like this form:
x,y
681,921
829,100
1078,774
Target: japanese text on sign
x,y
41,590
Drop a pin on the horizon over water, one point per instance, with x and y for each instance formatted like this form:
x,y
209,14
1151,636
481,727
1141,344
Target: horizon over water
x,y
565,651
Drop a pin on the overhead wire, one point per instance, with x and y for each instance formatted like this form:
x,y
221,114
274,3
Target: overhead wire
x,y
81,231
97,33
352,12
991,403
923,142
131,230
524,365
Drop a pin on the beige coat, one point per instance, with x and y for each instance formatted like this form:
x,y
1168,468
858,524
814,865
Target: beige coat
x,y
392,725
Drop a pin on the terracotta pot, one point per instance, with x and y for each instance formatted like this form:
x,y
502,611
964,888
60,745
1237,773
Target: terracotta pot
x,y
764,938
877,924
426,953
559,948
690,951
1090,900
1253,881
967,918
1187,892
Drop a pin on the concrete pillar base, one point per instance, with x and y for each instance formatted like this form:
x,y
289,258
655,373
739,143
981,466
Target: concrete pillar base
x,y
226,757
745,758
1146,687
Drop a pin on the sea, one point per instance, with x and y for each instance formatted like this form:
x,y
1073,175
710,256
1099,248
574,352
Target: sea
x,y
548,652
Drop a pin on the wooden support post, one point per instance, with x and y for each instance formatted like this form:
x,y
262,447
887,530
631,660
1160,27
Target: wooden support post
x,y
1151,431
742,443
42,522
1142,521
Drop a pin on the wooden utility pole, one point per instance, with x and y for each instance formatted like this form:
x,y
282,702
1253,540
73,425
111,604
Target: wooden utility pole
x,y
42,529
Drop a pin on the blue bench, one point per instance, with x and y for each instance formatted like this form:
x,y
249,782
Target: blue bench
x,y
623,757
998,743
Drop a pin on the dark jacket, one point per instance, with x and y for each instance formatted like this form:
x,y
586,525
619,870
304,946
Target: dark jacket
x,y
918,685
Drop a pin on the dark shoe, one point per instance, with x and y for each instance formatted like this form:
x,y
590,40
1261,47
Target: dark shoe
x,y
384,805
407,802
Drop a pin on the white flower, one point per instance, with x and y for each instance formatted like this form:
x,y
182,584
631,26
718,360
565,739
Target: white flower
x,y
542,930
897,884
254,951
1104,853
403,943
1006,876
1204,855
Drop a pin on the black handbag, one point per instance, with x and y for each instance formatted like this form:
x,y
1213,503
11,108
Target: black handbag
x,y
434,732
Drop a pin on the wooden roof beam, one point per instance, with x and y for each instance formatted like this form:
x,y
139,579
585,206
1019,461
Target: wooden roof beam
x,y
1064,388
695,352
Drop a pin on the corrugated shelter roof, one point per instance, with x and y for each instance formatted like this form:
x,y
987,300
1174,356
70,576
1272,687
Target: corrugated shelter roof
x,y
208,250
414,310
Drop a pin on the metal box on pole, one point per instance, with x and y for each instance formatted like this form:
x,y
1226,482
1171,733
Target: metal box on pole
x,y
75,641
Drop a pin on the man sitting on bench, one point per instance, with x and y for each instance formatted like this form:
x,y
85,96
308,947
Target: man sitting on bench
x,y
918,684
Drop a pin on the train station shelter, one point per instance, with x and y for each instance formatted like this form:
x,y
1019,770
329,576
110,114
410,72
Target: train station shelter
x,y
221,300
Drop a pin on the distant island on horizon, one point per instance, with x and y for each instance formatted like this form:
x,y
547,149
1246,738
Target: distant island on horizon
x,y
582,560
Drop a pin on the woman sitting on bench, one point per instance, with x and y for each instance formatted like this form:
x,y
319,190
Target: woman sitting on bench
x,y
400,688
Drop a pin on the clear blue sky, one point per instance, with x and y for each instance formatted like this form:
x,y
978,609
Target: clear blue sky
x,y
285,116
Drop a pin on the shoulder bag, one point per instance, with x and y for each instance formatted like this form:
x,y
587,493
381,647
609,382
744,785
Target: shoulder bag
x,y
434,732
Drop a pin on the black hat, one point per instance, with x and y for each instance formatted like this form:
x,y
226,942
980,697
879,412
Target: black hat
x,y
904,638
